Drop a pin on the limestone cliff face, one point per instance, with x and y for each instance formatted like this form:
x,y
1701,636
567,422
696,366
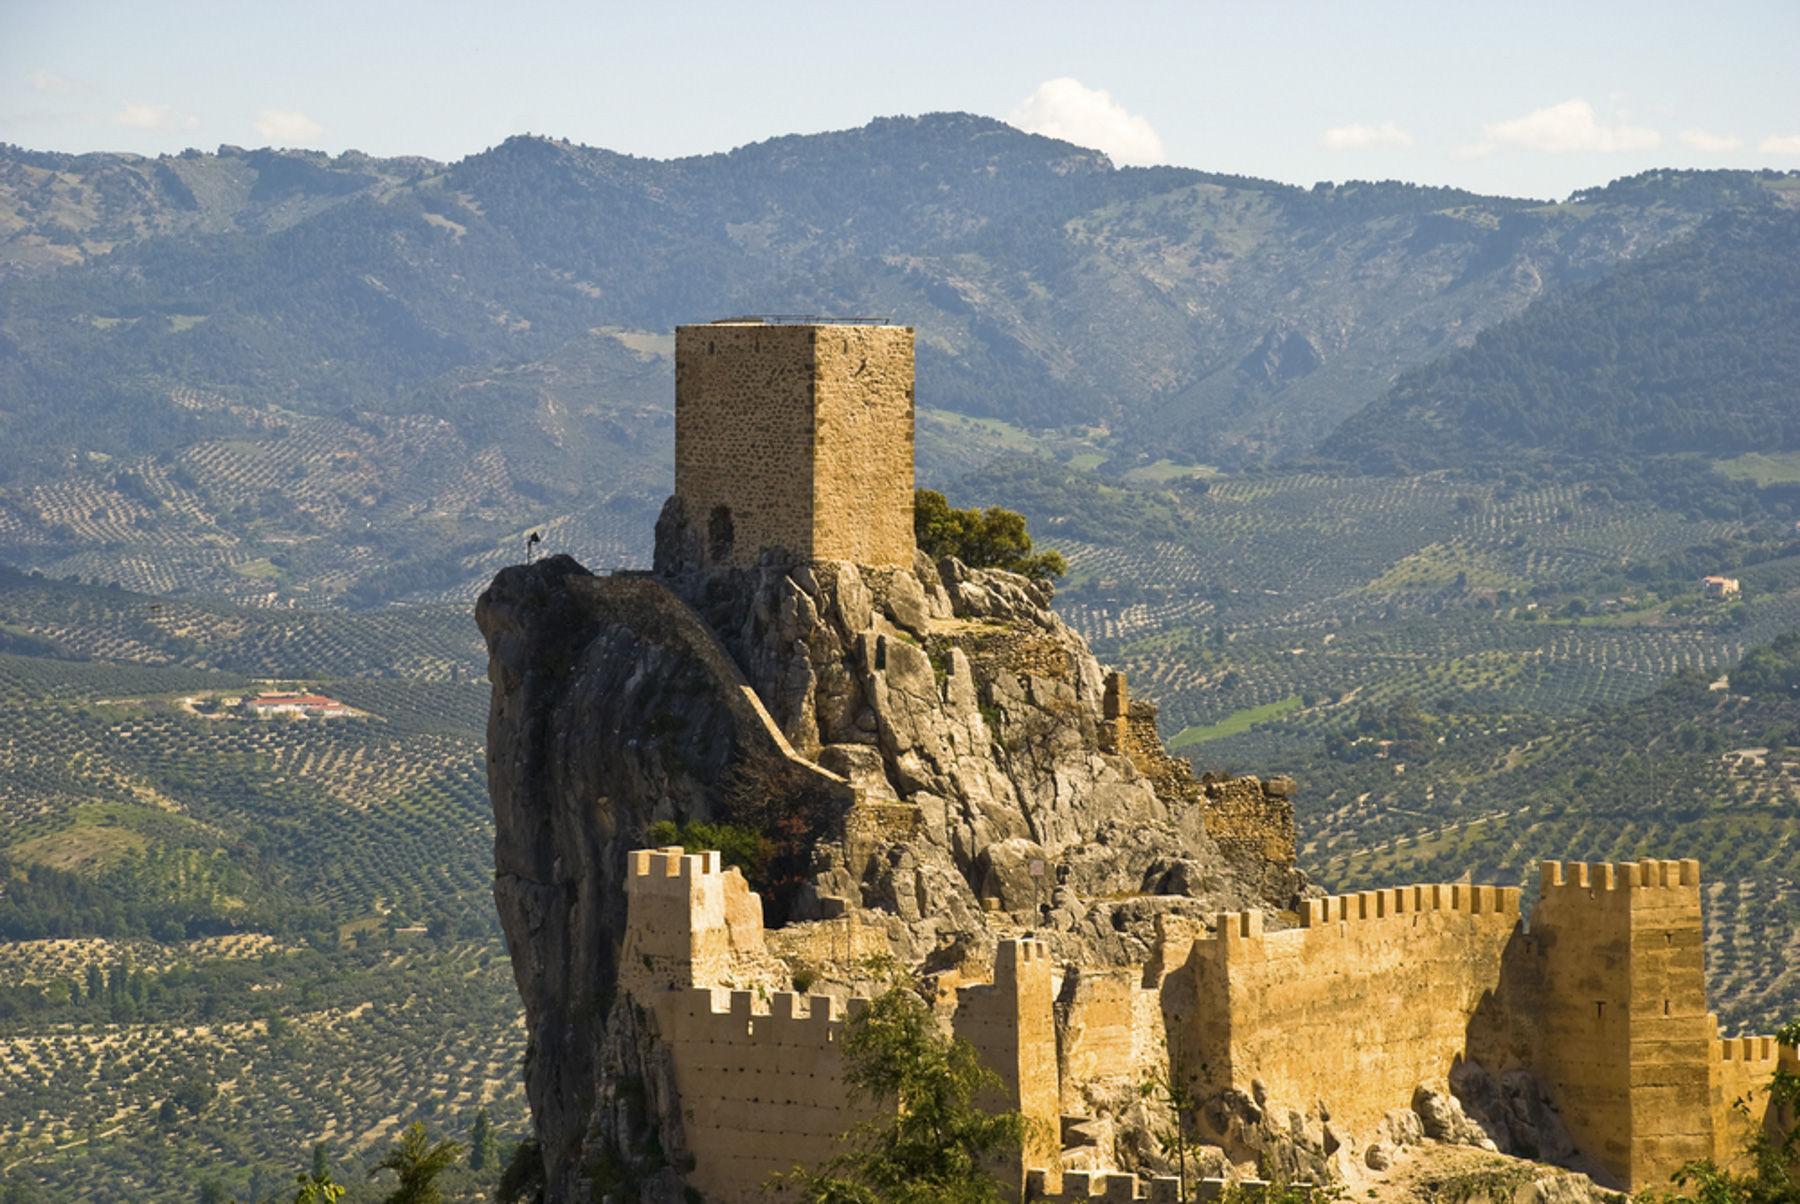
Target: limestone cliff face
x,y
934,748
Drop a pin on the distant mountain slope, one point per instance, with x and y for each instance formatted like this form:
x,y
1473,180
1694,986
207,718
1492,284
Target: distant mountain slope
x,y
1049,287
62,209
286,375
1692,348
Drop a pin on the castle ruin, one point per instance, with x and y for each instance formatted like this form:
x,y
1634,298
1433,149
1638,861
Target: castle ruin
x,y
960,787
1598,1003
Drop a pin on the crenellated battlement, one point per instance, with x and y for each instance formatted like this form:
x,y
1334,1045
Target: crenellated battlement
x,y
1756,1051
1021,955
815,1010
1120,1186
1625,875
1102,1185
1384,989
671,868
1402,901
760,1072
1344,915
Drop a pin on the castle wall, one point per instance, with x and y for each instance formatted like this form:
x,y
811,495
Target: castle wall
x,y
1740,1069
1110,1029
1372,996
761,1085
798,437
759,1074
863,475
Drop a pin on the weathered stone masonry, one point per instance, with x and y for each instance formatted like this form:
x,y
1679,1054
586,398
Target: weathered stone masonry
x,y
1601,998
796,438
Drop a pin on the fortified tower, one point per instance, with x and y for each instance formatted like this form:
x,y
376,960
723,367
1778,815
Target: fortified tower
x,y
795,436
1625,1034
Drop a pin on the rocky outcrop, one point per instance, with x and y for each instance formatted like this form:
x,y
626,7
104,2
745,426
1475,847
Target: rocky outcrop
x,y
925,746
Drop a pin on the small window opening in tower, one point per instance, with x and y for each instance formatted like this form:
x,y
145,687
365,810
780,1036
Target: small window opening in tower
x,y
1600,1010
1665,1007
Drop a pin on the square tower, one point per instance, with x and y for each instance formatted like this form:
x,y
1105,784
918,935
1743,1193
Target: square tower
x,y
1624,1034
796,436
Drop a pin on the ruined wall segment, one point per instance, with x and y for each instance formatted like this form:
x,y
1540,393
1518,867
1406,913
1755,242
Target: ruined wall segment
x,y
1372,996
1246,815
797,437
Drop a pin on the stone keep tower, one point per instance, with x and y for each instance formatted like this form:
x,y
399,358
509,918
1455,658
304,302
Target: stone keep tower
x,y
796,436
1623,1027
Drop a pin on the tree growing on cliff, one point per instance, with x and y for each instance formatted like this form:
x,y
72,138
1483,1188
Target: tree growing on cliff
x,y
417,1163
994,538
933,1143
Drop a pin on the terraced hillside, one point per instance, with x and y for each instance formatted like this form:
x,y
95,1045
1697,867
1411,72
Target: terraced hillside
x,y
223,937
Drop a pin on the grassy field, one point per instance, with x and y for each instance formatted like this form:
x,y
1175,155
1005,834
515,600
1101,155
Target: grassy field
x,y
1237,721
1782,468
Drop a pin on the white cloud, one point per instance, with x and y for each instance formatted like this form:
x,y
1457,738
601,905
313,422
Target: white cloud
x,y
1358,136
1570,126
144,117
49,81
1068,109
1780,144
287,126
1712,144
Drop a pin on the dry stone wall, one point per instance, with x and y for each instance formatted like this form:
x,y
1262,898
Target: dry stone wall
x,y
1247,816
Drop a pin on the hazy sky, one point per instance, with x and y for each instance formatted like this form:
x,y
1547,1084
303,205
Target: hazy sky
x,y
1509,96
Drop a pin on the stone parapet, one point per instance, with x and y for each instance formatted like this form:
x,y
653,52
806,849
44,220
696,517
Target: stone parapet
x,y
1627,876
1100,1185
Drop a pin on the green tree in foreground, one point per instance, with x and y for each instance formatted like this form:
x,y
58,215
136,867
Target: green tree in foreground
x,y
316,1186
315,1189
417,1162
938,1145
1772,1159
984,539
